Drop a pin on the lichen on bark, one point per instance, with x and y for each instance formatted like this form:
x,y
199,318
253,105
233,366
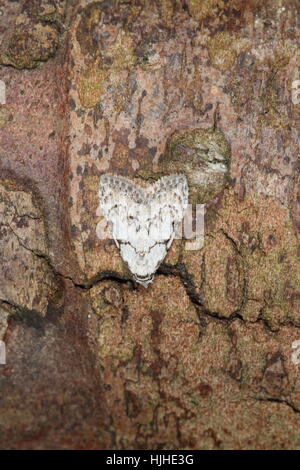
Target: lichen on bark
x,y
205,357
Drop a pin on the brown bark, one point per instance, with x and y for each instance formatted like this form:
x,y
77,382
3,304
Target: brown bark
x,y
203,358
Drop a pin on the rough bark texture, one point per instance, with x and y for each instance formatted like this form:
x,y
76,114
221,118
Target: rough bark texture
x,y
203,357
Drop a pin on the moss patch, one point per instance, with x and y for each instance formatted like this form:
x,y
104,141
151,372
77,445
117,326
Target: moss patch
x,y
223,49
203,155
29,45
91,85
107,69
5,116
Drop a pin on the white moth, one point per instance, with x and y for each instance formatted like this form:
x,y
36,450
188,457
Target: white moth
x,y
143,220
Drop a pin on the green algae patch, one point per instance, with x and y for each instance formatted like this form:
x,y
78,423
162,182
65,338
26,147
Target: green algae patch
x,y
121,53
203,155
29,45
91,85
108,69
223,49
5,116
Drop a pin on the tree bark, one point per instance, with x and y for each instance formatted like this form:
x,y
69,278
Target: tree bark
x,y
207,356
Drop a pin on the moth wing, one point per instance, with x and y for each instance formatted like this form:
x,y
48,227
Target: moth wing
x,y
119,199
170,201
116,192
171,192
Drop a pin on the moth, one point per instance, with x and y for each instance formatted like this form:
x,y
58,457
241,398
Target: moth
x,y
143,220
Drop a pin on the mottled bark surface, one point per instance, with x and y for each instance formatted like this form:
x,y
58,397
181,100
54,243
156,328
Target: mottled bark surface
x,y
203,358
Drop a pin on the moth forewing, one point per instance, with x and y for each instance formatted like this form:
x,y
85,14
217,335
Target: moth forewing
x,y
143,220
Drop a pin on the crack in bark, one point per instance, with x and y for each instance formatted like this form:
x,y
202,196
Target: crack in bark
x,y
180,270
278,400
231,240
21,242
